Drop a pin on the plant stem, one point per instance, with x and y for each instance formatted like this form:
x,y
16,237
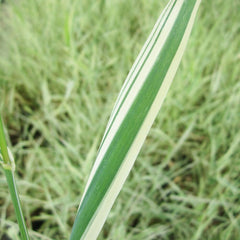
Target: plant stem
x,y
8,167
16,203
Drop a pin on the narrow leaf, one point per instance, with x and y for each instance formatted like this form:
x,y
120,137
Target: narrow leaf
x,y
135,110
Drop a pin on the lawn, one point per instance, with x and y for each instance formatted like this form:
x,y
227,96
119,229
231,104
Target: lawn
x,y
62,65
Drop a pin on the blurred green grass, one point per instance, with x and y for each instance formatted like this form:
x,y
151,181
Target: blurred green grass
x,y
62,65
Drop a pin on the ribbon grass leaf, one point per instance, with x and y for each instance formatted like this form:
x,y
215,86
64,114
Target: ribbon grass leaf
x,y
7,162
135,110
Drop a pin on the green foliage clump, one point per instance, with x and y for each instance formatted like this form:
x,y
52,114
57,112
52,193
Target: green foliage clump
x,y
62,65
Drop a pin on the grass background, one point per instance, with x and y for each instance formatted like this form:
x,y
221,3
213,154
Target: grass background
x,y
62,65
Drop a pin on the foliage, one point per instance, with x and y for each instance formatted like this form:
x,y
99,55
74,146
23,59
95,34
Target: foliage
x,y
60,73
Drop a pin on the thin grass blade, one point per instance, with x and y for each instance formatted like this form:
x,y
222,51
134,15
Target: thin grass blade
x,y
7,162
